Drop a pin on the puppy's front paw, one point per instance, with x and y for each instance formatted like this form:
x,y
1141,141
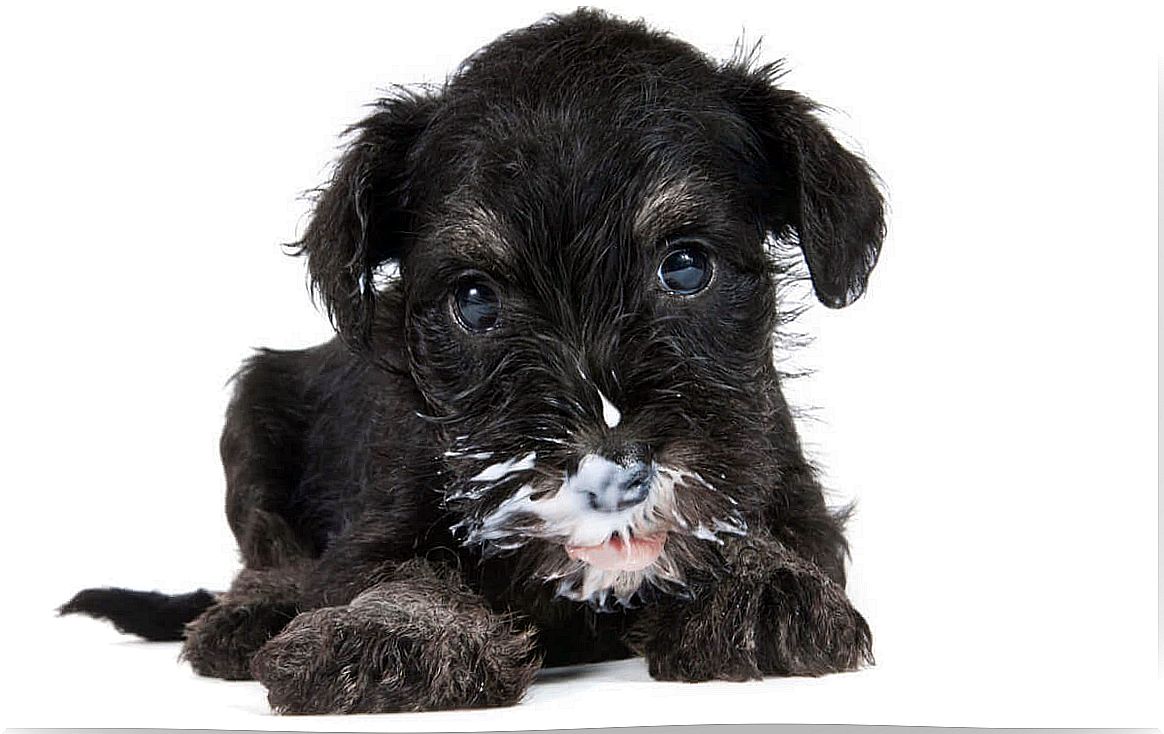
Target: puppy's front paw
x,y
789,624
222,640
393,651
809,627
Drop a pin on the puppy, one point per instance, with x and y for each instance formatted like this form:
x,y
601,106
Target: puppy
x,y
550,431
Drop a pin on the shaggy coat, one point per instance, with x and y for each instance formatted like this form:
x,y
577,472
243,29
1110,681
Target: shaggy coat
x,y
549,429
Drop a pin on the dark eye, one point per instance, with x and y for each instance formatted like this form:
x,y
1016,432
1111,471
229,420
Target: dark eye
x,y
477,305
685,271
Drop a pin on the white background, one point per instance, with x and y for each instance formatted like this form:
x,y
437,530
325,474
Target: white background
x,y
991,402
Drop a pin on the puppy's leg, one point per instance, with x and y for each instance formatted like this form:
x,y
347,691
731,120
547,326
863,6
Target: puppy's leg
x,y
263,452
419,641
221,642
773,613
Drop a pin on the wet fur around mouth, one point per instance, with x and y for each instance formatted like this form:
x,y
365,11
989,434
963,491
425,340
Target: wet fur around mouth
x,y
404,496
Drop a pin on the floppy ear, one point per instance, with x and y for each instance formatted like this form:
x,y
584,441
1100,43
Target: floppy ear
x,y
361,216
826,194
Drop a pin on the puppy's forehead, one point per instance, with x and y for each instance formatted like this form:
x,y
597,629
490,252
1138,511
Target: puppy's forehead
x,y
577,146
488,232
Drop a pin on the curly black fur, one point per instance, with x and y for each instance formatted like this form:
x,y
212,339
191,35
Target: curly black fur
x,y
405,497
421,641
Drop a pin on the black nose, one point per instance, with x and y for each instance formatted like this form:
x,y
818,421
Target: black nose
x,y
625,487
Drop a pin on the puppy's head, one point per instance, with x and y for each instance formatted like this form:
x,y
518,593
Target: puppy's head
x,y
580,219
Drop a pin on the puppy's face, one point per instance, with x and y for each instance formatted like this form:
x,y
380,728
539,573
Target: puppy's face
x,y
580,221
590,349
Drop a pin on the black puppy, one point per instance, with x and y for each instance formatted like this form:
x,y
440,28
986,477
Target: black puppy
x,y
557,434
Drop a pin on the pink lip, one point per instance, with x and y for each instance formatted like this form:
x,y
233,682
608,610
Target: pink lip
x,y
616,555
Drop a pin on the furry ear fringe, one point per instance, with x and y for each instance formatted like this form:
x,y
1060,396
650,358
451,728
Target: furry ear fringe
x,y
835,208
361,219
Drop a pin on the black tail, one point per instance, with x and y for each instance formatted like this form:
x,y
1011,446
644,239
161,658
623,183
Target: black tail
x,y
148,614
